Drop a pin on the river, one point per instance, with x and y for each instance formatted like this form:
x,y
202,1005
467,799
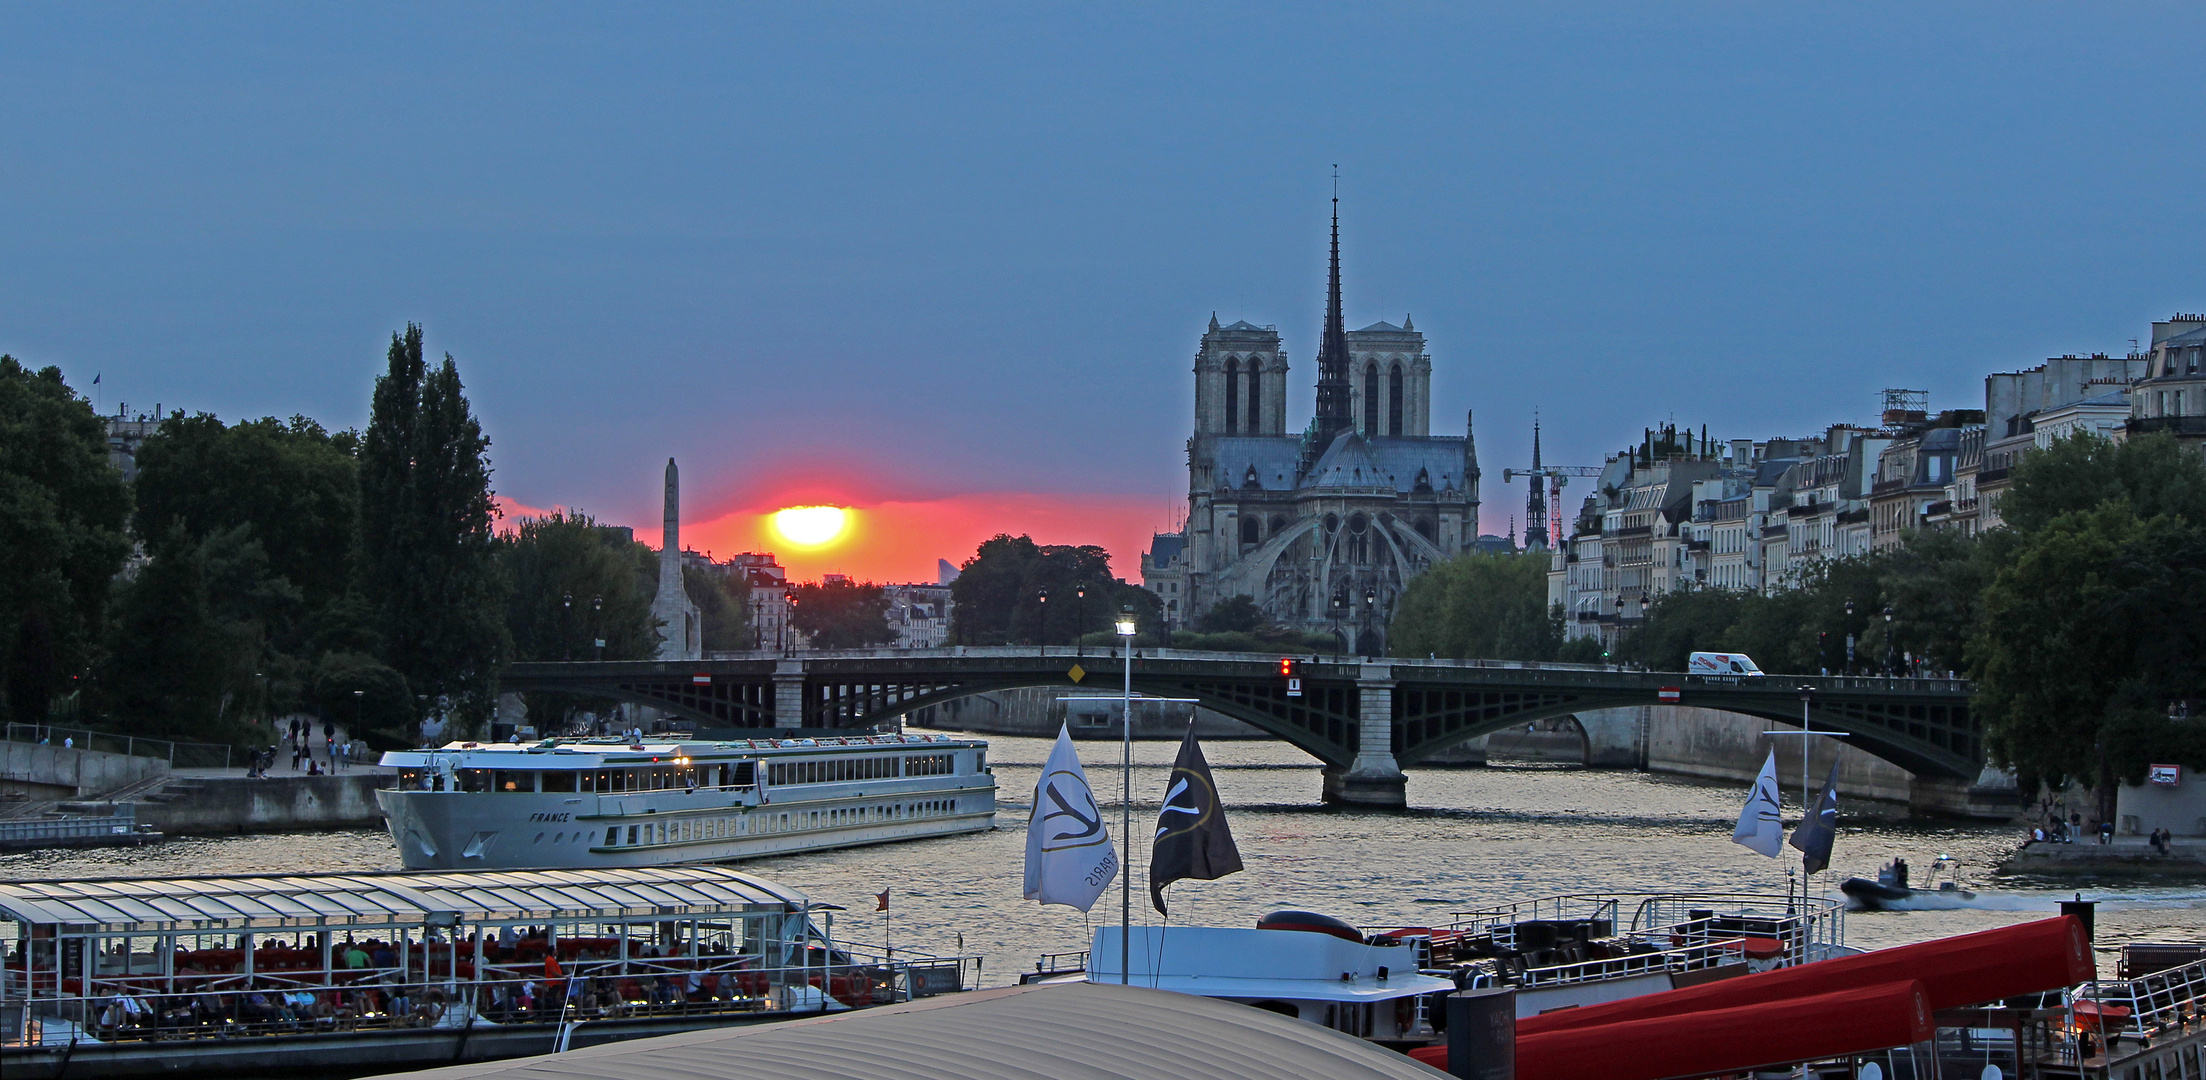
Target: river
x,y
1475,837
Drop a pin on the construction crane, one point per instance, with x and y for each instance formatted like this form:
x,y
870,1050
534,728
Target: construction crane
x,y
1543,511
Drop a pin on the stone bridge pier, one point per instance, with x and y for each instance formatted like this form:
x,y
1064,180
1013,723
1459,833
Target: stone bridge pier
x,y
1373,778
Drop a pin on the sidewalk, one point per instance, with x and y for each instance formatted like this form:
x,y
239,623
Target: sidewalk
x,y
2126,855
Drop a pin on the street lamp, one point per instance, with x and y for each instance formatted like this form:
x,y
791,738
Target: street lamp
x,y
789,605
566,624
358,697
1041,620
1079,618
1370,605
1126,627
1888,642
597,625
1849,637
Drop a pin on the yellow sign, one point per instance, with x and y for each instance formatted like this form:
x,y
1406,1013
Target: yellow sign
x,y
1077,673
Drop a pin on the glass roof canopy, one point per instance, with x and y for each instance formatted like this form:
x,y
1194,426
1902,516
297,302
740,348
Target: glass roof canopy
x,y
219,903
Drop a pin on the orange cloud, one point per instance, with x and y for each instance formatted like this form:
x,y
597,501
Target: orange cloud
x,y
899,541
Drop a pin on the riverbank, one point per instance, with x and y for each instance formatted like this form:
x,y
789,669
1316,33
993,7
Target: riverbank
x,y
2127,856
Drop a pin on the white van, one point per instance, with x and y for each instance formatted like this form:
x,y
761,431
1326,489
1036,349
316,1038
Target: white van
x,y
1721,663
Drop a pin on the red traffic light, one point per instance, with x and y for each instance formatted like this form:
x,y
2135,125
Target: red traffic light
x,y
1287,667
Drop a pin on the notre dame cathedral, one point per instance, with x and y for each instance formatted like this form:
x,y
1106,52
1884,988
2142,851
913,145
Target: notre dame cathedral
x,y
1322,527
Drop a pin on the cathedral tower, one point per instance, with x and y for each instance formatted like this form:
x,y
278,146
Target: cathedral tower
x,y
1333,398
1240,381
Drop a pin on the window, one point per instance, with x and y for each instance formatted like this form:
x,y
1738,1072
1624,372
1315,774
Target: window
x,y
1371,399
612,836
559,780
1394,401
1233,396
1256,399
1249,530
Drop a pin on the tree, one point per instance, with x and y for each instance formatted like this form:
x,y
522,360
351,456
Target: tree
x,y
167,659
63,510
842,614
572,584
723,602
1478,606
294,484
1234,614
2154,473
367,696
2051,659
426,555
998,594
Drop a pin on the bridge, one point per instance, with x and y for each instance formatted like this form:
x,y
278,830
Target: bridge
x,y
1364,719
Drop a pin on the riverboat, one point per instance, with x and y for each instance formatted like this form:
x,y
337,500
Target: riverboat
x,y
334,975
1555,952
607,802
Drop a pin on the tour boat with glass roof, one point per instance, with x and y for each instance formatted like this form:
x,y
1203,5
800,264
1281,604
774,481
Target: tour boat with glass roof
x,y
612,802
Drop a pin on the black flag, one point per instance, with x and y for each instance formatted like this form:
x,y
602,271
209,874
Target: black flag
x,y
1815,834
1192,838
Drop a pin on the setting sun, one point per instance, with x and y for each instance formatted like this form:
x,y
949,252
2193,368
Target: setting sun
x,y
810,525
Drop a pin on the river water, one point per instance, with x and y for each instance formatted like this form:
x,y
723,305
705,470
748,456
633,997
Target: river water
x,y
1474,837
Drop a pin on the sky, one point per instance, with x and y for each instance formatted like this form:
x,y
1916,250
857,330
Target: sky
x,y
948,265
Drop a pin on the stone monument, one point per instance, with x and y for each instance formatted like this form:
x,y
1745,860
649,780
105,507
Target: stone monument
x,y
681,633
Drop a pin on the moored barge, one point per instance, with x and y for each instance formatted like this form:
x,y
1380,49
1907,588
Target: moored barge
x,y
352,974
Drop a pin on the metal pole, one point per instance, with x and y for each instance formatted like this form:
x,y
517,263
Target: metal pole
x,y
1126,827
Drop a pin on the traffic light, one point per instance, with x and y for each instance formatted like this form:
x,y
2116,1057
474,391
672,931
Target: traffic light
x,y
1290,669
1287,667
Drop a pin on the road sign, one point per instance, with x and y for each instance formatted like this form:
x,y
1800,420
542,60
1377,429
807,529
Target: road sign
x,y
1668,695
1294,687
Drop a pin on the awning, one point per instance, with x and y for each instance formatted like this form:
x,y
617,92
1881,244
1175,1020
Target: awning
x,y
2045,954
1730,1040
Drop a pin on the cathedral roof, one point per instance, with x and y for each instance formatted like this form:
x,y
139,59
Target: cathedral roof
x,y
1272,457
1346,463
1351,461
1244,324
1384,327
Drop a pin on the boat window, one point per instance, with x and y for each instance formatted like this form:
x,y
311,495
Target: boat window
x,y
631,834
743,777
513,780
612,836
474,779
559,780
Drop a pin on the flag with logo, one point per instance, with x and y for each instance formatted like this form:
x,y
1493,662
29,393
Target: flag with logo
x,y
1192,838
1069,855
1814,835
1760,828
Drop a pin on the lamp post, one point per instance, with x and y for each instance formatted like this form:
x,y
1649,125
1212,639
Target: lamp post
x,y
789,605
1370,604
358,699
1849,637
1041,621
1126,628
1888,642
1079,618
1340,611
597,625
566,625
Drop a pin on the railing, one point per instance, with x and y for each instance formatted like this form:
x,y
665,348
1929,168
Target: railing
x,y
420,991
2156,1002
185,754
42,831
1667,932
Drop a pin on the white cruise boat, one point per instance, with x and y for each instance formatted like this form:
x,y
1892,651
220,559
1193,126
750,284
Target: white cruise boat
x,y
609,802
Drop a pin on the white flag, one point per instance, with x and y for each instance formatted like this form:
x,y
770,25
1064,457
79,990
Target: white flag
x,y
1760,829
1069,856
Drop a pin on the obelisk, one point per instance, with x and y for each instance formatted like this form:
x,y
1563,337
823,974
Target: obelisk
x,y
679,629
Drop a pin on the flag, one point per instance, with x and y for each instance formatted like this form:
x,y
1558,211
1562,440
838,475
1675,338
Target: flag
x,y
95,380
1760,829
1069,855
1192,838
1814,835
881,900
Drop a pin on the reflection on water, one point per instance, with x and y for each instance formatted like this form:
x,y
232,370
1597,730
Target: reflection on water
x,y
1476,837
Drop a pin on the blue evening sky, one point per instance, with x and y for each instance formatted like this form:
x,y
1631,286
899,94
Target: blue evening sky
x,y
919,251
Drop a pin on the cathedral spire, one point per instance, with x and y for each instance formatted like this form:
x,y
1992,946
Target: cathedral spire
x,y
1332,356
1535,503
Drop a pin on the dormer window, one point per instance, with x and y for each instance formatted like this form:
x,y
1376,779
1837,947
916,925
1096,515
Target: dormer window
x,y
1251,481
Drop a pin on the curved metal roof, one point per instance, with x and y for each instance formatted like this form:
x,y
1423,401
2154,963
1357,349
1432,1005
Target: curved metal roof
x,y
1069,1031
217,902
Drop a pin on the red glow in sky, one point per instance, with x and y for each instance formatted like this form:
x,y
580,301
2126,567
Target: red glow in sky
x,y
899,541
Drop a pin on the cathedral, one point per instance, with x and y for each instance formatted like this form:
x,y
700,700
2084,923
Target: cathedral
x,y
1323,526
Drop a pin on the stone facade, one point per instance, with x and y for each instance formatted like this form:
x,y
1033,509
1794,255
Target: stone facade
x,y
681,630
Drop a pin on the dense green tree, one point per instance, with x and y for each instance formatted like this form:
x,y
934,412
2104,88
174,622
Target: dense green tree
x,y
2153,473
2052,662
842,614
63,512
426,554
169,661
292,483
1234,614
1478,606
723,608
367,696
998,595
571,584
